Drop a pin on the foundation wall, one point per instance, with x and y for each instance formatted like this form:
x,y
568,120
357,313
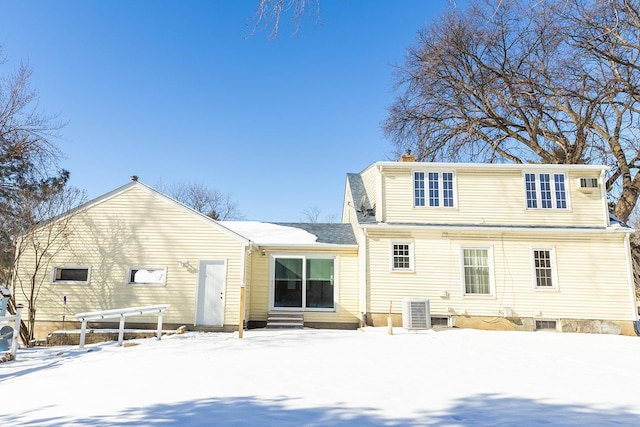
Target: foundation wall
x,y
589,326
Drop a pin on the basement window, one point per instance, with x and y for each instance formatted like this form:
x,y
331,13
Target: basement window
x,y
71,274
440,321
546,325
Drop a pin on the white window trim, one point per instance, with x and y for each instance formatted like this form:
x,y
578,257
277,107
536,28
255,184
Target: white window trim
x,y
336,282
440,189
146,267
554,268
70,282
492,291
411,257
554,202
413,186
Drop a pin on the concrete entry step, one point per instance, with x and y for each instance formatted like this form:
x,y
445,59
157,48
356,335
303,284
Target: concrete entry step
x,y
285,320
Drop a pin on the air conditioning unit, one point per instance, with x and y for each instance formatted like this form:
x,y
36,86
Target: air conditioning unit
x,y
587,185
416,314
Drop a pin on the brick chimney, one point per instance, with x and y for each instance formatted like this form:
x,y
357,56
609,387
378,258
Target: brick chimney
x,y
408,157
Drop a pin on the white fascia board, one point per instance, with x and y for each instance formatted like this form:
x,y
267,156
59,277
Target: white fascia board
x,y
484,166
499,229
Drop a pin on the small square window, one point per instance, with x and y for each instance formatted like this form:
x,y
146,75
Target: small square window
x,y
402,256
147,276
73,274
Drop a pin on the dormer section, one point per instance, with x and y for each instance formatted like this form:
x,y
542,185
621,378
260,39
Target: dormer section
x,y
486,194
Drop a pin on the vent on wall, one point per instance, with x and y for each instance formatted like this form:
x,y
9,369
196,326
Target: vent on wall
x,y
416,314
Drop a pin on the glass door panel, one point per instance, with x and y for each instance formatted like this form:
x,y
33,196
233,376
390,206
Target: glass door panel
x,y
288,282
319,293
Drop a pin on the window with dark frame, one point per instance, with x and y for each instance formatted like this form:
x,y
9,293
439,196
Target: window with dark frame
x,y
304,282
146,276
71,274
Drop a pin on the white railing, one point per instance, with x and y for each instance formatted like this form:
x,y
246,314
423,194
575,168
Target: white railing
x,y
16,330
121,313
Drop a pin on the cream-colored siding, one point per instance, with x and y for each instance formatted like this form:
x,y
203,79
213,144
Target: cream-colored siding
x,y
370,179
349,215
347,284
490,196
591,271
138,228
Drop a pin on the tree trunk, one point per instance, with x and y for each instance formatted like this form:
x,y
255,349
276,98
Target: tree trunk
x,y
628,199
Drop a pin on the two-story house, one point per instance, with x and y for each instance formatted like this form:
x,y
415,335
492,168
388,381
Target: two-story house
x,y
494,246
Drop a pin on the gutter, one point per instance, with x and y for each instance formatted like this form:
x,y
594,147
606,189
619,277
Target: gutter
x,y
500,229
306,246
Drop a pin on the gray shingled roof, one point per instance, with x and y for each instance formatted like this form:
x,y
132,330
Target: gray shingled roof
x,y
358,191
337,234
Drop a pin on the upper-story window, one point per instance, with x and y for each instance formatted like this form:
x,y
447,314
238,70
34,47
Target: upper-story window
x,y
546,190
433,189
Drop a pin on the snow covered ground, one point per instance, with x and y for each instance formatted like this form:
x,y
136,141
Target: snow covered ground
x,y
330,378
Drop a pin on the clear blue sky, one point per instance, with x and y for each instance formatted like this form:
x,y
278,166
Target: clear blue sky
x,y
174,91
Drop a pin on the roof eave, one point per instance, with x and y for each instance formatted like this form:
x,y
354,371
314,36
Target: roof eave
x,y
500,229
306,246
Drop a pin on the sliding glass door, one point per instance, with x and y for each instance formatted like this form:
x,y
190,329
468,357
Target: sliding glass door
x,y
303,282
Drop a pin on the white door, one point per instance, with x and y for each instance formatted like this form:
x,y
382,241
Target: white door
x,y
211,285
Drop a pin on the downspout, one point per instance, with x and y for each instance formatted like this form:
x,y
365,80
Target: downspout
x,y
362,276
380,217
246,251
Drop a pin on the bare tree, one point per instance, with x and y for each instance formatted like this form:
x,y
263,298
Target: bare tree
x,y
44,216
608,32
28,163
270,12
538,81
312,214
211,202
27,148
